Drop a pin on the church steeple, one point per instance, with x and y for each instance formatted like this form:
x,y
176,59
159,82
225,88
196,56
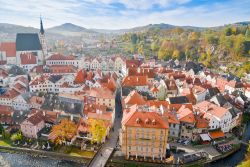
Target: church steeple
x,y
41,26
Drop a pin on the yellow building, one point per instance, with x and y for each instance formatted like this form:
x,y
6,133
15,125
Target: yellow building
x,y
144,134
101,96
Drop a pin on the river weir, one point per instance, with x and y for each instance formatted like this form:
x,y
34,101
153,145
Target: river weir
x,y
25,160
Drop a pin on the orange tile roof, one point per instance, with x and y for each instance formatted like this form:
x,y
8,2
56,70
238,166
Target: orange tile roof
x,y
186,115
5,110
216,134
28,58
149,72
154,89
145,120
208,107
157,103
61,57
134,81
80,77
134,98
9,48
172,118
201,123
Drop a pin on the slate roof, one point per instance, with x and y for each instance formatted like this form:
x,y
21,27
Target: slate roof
x,y
213,91
178,100
191,65
27,42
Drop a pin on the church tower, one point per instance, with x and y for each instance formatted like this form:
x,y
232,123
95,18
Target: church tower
x,y
43,41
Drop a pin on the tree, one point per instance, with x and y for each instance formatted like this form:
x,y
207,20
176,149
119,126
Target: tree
x,y
228,31
97,129
64,131
176,54
134,38
247,35
16,136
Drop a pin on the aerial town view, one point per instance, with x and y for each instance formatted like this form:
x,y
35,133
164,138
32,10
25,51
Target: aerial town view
x,y
124,83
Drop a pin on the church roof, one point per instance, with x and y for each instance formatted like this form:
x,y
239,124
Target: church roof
x,y
27,42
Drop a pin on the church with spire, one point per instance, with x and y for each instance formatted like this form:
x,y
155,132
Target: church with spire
x,y
34,43
43,41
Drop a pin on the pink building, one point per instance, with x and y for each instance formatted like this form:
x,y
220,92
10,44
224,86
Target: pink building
x,y
32,125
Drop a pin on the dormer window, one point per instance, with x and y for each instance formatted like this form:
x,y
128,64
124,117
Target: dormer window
x,y
138,120
153,122
147,121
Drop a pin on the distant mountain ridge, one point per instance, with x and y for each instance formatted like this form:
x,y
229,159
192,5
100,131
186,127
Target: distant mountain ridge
x,y
69,29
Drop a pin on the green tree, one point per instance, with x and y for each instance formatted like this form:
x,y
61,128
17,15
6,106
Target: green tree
x,y
16,136
228,31
247,35
134,38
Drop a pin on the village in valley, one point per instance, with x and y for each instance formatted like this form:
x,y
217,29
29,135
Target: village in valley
x,y
117,110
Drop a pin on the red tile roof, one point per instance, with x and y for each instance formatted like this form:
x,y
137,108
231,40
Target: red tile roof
x,y
144,120
11,93
134,81
5,111
28,58
186,115
9,48
61,57
36,118
134,98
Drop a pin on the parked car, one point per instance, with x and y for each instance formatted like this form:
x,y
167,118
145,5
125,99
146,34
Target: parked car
x,y
187,142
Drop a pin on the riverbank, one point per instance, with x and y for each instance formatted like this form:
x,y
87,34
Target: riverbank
x,y
45,154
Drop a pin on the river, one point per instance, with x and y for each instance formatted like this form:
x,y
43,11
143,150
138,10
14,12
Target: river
x,y
234,159
23,160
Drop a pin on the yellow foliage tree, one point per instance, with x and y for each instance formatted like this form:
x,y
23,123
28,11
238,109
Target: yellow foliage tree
x,y
64,131
176,54
97,129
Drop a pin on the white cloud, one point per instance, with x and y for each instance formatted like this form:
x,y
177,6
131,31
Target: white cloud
x,y
102,14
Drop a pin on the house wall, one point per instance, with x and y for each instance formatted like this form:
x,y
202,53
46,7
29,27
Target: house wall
x,y
154,145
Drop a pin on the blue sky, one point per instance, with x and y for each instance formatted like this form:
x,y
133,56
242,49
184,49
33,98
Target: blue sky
x,y
118,14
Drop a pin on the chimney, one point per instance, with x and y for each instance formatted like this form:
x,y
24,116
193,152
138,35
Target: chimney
x,y
44,113
137,79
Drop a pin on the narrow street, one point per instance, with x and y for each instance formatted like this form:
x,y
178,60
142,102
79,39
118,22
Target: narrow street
x,y
103,155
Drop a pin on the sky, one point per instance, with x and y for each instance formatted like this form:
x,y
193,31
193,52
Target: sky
x,y
121,14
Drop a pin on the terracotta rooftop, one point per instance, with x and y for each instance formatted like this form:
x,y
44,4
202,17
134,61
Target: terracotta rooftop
x,y
134,81
61,57
142,119
28,58
134,98
36,118
9,48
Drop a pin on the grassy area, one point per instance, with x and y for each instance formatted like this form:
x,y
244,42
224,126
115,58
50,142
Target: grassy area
x,y
5,142
79,153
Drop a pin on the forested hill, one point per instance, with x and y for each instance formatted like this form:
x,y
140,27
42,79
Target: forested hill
x,y
209,46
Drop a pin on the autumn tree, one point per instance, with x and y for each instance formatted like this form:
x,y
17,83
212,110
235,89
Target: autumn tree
x,y
97,129
63,131
16,137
